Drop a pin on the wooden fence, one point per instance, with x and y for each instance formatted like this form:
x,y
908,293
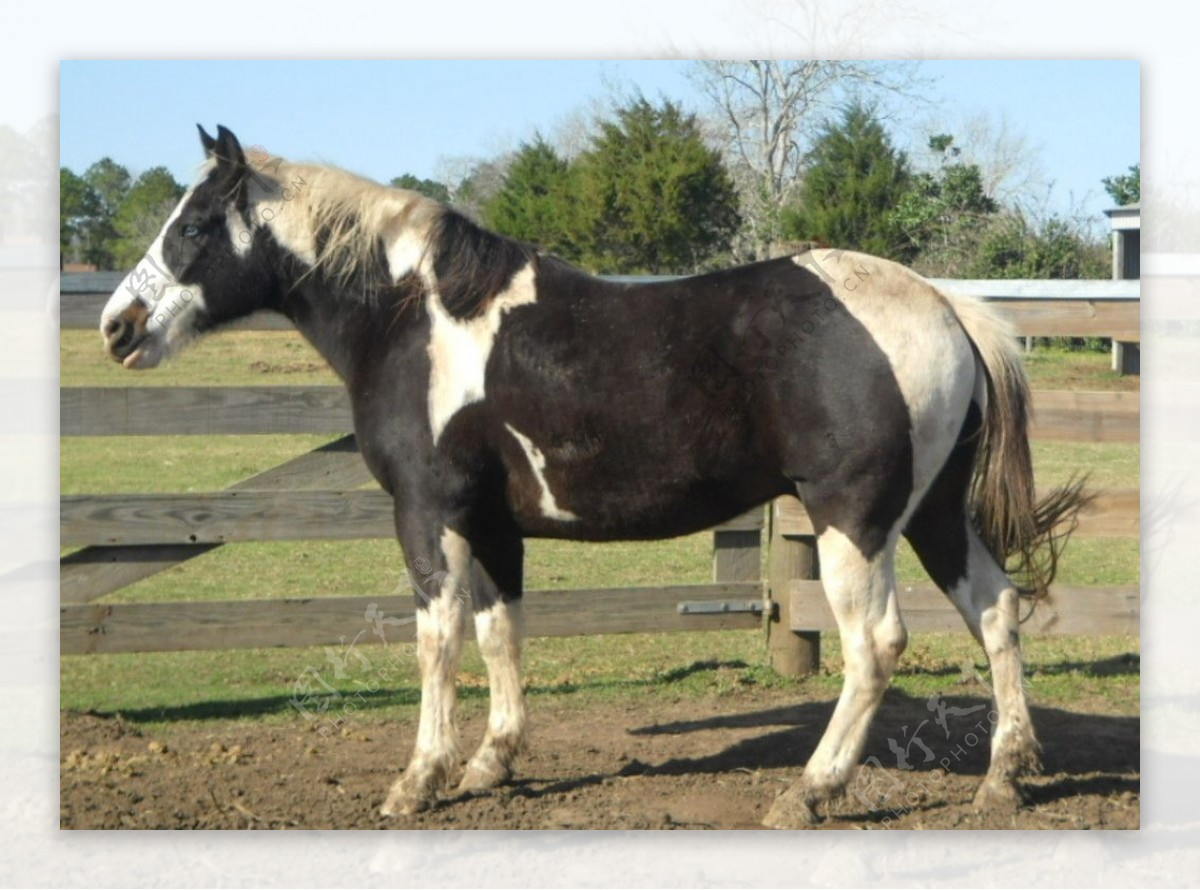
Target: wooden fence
x,y
129,537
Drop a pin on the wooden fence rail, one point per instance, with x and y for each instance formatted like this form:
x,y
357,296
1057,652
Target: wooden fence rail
x,y
1036,308
325,494
255,410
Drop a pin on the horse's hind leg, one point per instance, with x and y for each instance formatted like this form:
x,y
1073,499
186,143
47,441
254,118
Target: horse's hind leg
x,y
861,587
959,563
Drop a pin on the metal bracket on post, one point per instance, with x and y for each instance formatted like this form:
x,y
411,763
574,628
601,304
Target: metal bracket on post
x,y
705,607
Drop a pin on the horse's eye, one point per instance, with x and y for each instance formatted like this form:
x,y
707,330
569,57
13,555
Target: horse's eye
x,y
191,231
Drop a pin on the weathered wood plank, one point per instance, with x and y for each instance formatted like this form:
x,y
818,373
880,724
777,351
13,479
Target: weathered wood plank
x,y
95,571
737,555
1073,318
752,520
248,410
159,627
203,410
792,555
1094,611
245,514
1086,416
223,517
1043,289
791,519
1113,514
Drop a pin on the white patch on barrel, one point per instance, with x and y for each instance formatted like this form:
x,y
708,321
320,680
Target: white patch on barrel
x,y
459,349
537,463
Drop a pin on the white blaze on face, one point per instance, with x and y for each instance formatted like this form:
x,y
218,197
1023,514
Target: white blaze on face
x,y
459,349
164,308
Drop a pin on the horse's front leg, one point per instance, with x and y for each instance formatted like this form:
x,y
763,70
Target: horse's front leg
x,y
439,565
496,595
483,572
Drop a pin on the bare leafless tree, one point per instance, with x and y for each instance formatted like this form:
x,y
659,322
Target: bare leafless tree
x,y
765,114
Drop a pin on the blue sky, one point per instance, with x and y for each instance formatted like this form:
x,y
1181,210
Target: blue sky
x,y
385,118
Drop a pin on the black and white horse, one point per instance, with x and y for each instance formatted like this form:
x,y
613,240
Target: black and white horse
x,y
499,393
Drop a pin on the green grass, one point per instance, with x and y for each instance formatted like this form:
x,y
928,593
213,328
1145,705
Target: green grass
x,y
257,683
162,688
1052,367
230,358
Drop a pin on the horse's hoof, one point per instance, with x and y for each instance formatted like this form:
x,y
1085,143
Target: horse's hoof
x,y
484,776
792,810
405,801
997,795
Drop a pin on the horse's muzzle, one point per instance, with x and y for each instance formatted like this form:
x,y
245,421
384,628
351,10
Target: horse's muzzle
x,y
125,332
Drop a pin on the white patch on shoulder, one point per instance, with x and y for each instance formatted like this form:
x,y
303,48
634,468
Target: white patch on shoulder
x,y
459,349
406,253
537,462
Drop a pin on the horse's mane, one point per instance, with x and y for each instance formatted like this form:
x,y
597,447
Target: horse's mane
x,y
351,221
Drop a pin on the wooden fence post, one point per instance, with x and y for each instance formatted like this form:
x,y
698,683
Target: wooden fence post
x,y
737,555
791,557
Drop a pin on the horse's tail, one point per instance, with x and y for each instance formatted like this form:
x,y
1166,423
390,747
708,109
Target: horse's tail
x,y
1025,535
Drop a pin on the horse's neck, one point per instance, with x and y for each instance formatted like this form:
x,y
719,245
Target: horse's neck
x,y
344,329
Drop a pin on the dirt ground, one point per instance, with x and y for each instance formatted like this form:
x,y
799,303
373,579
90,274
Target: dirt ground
x,y
694,763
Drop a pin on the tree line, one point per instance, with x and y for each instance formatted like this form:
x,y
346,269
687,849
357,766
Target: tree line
x,y
792,153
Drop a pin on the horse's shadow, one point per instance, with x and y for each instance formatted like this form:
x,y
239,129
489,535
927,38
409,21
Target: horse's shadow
x,y
1088,753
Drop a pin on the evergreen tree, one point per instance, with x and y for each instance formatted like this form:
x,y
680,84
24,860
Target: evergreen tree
x,y
650,195
1125,188
430,188
853,184
109,182
142,214
78,211
534,203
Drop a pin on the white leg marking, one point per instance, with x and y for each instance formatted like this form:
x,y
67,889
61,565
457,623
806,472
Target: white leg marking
x,y
862,595
459,349
439,644
499,631
988,603
537,462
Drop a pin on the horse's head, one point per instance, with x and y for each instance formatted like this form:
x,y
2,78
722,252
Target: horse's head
x,y
205,267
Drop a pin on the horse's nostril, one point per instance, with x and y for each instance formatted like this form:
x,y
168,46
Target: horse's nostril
x,y
112,327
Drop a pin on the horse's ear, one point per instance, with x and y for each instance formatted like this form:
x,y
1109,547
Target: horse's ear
x,y
207,141
231,165
228,150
